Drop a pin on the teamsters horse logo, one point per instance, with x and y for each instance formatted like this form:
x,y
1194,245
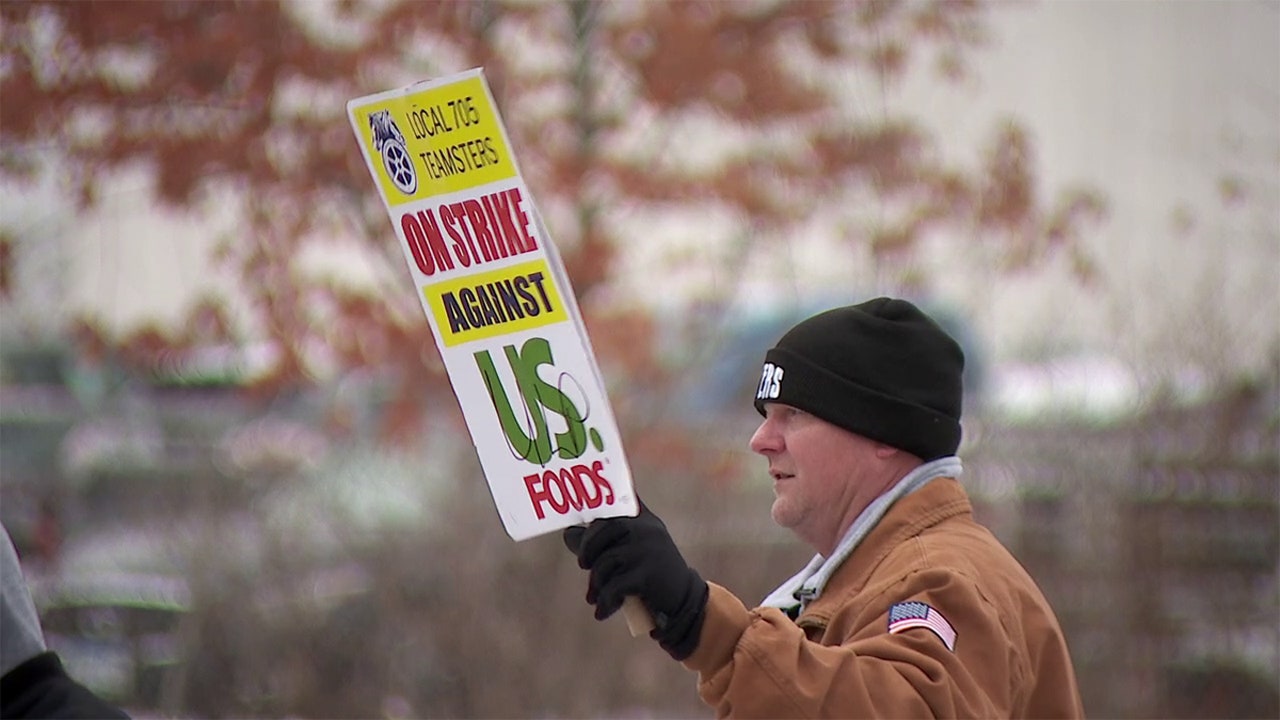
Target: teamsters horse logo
x,y
390,144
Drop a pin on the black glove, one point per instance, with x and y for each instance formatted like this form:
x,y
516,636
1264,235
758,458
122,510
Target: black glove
x,y
636,556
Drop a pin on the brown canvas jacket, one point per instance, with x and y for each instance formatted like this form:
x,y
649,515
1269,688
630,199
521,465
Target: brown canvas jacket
x,y
839,660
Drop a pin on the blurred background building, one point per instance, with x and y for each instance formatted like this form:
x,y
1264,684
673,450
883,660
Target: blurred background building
x,y
240,484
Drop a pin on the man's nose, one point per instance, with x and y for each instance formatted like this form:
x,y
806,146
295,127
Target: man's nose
x,y
766,438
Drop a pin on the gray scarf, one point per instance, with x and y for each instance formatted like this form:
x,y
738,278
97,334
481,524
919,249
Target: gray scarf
x,y
805,586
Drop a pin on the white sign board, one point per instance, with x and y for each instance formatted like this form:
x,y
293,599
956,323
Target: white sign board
x,y
499,303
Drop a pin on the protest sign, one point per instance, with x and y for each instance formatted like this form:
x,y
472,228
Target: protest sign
x,y
499,303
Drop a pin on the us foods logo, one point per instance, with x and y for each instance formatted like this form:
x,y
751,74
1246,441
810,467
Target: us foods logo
x,y
390,144
573,485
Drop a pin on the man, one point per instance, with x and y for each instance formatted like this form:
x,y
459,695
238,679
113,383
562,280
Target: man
x,y
910,608
33,683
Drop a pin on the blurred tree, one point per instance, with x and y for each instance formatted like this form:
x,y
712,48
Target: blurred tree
x,y
605,102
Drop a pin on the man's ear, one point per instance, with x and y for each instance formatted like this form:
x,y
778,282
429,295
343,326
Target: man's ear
x,y
884,452
889,452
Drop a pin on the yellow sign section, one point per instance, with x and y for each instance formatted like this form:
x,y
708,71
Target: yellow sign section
x,y
489,304
434,141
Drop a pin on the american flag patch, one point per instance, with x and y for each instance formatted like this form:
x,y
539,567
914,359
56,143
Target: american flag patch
x,y
907,615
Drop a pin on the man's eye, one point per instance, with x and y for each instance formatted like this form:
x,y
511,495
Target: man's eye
x,y
785,412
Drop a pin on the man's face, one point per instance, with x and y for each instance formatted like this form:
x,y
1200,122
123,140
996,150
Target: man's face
x,y
823,475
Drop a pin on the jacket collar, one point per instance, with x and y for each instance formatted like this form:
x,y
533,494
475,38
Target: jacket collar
x,y
940,500
807,585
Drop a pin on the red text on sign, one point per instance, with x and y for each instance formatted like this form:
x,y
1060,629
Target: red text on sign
x,y
468,232
577,486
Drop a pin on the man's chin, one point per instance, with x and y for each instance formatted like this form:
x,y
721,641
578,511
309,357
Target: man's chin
x,y
783,513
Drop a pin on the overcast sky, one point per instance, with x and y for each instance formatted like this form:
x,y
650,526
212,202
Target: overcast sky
x,y
1151,102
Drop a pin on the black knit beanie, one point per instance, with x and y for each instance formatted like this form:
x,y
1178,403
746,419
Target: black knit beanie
x,y
881,369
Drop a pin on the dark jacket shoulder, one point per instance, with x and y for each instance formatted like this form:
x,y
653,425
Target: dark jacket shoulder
x,y
41,688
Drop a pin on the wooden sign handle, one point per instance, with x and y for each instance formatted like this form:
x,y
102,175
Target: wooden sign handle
x,y
639,622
